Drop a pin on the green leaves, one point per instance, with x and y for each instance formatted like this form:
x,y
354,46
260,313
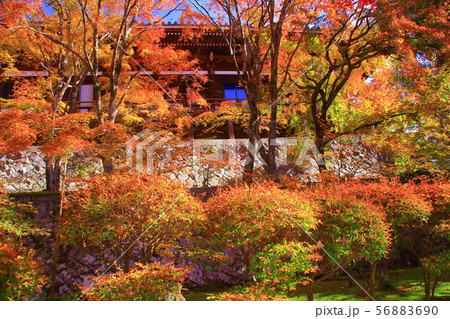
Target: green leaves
x,y
255,216
20,274
353,229
285,265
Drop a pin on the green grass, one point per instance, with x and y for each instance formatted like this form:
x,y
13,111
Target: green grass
x,y
405,285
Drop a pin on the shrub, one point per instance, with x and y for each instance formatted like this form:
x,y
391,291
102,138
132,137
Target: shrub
x,y
247,219
250,293
407,210
350,229
285,266
418,215
438,195
150,282
119,211
435,260
435,267
402,203
20,274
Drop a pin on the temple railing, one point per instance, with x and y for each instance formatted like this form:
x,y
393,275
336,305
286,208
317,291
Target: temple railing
x,y
212,104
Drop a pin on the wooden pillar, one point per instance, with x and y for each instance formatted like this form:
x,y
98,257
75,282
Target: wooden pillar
x,y
191,132
231,130
211,76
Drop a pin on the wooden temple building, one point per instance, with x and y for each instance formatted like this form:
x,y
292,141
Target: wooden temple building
x,y
213,55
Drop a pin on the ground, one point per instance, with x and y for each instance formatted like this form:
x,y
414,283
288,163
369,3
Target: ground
x,y
405,285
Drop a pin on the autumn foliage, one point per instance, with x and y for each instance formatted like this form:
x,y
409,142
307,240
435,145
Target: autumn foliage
x,y
402,203
404,217
352,221
129,213
286,266
20,275
434,254
249,293
248,219
150,282
352,229
325,69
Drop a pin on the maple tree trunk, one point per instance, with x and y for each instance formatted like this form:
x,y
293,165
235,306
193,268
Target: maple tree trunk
x,y
52,174
64,82
372,279
95,68
321,148
73,100
271,154
310,291
57,98
116,68
108,165
276,31
254,140
113,88
112,108
127,259
246,256
149,254
433,288
427,284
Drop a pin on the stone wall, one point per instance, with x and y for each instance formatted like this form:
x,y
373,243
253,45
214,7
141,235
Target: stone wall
x,y
208,165
23,173
71,267
198,163
353,159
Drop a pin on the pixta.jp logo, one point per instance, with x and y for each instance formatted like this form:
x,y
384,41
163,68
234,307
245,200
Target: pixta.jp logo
x,y
144,147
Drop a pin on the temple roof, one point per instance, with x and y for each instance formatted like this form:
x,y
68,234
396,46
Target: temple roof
x,y
199,40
